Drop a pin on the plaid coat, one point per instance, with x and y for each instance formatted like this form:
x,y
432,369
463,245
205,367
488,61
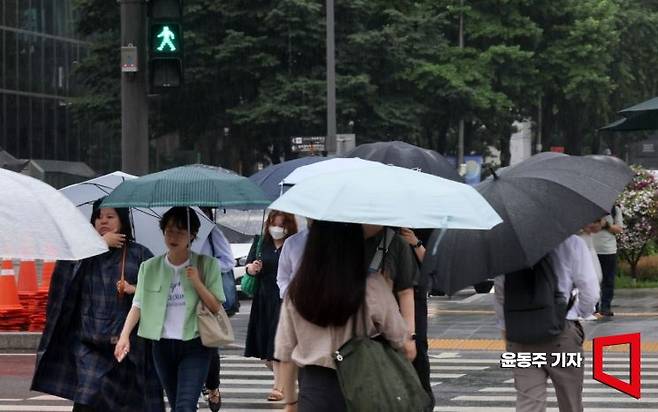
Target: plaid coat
x,y
84,370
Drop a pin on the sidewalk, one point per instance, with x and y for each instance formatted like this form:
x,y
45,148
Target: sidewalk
x,y
467,321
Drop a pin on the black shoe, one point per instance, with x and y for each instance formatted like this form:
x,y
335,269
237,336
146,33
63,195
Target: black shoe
x,y
606,313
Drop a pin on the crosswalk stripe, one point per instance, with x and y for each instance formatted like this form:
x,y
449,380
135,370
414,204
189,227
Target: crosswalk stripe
x,y
551,389
35,408
499,409
446,375
226,366
512,398
497,361
586,381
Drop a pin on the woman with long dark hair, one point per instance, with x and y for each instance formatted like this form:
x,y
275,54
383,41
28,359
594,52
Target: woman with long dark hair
x,y
263,262
87,304
330,289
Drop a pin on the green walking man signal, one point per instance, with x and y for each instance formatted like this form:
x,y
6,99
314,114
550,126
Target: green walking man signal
x,y
167,37
166,45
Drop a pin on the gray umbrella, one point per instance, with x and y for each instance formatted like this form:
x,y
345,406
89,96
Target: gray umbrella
x,y
542,201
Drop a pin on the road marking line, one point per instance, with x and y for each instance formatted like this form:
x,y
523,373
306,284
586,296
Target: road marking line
x,y
498,409
644,381
446,375
586,399
586,389
46,398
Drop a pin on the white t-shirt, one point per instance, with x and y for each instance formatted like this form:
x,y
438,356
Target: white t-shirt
x,y
175,312
605,242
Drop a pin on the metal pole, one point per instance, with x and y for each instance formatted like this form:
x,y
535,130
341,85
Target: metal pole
x,y
460,141
134,105
330,142
540,125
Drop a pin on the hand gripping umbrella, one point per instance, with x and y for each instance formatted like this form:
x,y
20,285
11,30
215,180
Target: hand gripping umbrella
x,y
542,200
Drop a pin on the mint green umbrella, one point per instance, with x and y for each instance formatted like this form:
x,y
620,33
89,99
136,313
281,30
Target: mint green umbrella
x,y
192,185
389,196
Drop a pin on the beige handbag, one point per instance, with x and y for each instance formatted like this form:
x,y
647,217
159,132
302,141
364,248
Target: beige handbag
x,y
215,329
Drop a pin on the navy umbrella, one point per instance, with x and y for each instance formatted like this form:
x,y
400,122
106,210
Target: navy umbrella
x,y
409,156
269,178
542,201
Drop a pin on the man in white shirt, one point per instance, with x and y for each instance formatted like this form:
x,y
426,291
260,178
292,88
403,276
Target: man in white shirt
x,y
605,244
573,267
290,259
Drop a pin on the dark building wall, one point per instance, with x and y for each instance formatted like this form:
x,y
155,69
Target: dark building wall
x,y
38,51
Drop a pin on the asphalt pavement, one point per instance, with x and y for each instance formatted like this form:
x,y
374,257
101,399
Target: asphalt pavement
x,y
465,361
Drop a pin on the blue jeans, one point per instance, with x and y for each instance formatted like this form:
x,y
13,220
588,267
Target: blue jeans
x,y
182,367
230,292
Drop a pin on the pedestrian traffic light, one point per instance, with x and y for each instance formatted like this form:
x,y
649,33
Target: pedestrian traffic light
x,y
165,43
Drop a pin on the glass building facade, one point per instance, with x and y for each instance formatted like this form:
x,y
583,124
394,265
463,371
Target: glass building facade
x,y
38,50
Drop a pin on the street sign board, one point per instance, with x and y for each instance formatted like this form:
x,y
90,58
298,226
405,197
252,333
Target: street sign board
x,y
307,144
129,59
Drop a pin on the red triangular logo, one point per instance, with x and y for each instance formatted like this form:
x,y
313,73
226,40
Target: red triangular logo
x,y
632,388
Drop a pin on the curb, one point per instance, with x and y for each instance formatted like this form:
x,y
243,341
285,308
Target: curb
x,y
28,341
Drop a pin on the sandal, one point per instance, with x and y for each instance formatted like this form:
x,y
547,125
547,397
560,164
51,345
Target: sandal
x,y
214,399
275,396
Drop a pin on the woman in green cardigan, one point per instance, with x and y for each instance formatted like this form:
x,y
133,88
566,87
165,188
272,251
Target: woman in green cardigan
x,y
169,288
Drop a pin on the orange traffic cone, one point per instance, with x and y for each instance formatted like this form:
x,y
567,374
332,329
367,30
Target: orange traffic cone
x,y
7,265
8,293
46,274
12,316
27,276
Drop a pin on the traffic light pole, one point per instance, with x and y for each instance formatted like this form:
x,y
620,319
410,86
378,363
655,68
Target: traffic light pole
x,y
330,142
134,104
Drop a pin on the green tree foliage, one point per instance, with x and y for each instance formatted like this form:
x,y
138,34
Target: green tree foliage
x,y
255,72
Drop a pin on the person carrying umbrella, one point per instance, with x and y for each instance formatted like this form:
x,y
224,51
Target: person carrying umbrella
x,y
572,265
87,304
320,306
169,288
262,263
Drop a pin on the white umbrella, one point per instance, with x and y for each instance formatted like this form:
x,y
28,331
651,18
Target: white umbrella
x,y
38,222
145,220
334,165
389,196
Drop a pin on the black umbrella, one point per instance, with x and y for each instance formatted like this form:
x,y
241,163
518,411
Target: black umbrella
x,y
269,178
542,201
409,156
650,105
638,122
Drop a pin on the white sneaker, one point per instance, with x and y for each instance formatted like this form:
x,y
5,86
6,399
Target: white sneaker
x,y
591,317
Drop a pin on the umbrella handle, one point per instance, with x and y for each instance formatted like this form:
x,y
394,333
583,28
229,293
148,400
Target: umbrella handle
x,y
122,278
259,246
444,229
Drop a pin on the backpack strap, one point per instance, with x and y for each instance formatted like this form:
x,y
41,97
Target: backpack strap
x,y
382,249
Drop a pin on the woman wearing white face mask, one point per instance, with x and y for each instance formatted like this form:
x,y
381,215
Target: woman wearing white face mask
x,y
266,303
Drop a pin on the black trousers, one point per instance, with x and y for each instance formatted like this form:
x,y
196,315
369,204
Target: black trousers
x,y
422,361
609,270
319,390
212,380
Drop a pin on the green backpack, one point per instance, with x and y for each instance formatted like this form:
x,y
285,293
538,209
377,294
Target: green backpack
x,y
375,377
